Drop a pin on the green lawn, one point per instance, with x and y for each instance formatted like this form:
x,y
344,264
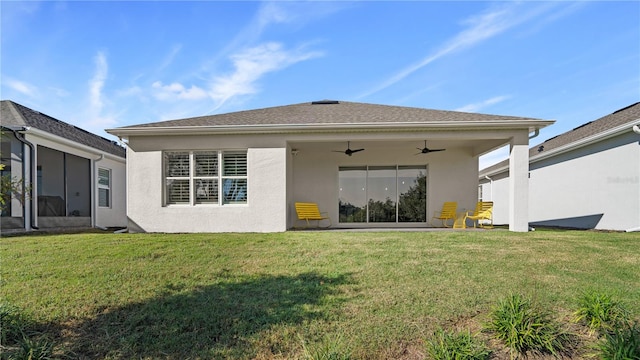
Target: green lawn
x,y
378,295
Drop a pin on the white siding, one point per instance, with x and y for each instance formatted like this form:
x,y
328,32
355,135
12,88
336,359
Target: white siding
x,y
596,186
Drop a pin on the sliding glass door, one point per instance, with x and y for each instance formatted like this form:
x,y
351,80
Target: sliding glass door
x,y
382,194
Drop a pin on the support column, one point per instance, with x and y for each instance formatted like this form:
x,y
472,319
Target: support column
x,y
519,183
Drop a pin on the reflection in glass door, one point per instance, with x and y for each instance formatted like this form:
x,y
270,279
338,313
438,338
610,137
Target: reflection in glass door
x,y
352,199
383,194
412,190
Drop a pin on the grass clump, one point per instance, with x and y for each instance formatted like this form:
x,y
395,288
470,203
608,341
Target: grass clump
x,y
525,327
600,312
331,348
18,338
621,343
445,345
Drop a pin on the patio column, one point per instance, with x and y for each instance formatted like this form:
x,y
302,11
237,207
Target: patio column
x,y
519,183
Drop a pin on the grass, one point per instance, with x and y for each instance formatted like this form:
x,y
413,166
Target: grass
x,y
246,296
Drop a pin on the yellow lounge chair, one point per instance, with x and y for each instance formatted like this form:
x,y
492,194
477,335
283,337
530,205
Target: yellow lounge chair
x,y
447,213
483,212
310,211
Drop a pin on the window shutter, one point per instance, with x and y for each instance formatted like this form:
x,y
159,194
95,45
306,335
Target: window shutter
x,y
235,164
177,164
103,177
103,197
206,163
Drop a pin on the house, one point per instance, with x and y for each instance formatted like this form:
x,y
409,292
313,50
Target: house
x,y
364,164
586,178
63,176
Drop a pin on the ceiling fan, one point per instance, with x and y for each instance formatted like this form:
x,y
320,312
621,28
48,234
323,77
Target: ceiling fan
x,y
348,152
426,150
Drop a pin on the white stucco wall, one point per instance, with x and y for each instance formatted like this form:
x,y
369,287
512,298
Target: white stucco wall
x,y
597,186
116,214
265,210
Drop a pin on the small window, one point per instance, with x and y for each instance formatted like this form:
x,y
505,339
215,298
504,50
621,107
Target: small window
x,y
104,187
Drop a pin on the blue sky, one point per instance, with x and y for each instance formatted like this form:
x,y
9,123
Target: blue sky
x,y
105,64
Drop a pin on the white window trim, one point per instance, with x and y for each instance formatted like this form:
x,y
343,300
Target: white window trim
x,y
192,178
106,187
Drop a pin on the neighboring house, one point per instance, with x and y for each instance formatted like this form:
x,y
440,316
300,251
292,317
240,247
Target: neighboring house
x,y
72,178
243,171
587,178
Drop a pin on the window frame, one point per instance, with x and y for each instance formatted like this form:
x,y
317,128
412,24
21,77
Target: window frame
x,y
105,187
192,178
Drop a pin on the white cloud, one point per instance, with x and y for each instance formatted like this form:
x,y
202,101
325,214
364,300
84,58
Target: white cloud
x,y
475,107
177,91
250,65
96,83
479,28
22,87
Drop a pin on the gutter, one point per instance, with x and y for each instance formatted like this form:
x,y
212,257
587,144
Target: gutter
x,y
573,145
75,145
533,125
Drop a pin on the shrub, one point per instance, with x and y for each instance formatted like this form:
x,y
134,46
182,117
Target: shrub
x,y
621,343
524,327
456,346
600,312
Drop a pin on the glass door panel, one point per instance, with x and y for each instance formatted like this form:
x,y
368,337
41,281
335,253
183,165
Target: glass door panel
x,y
352,199
382,193
412,190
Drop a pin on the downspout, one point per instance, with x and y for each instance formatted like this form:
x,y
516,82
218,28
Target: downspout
x,y
535,134
34,169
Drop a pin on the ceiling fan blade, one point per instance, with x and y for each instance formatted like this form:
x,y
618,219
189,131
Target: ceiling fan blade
x,y
356,150
434,150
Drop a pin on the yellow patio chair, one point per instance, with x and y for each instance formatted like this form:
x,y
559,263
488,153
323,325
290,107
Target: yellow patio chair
x,y
310,211
482,213
447,213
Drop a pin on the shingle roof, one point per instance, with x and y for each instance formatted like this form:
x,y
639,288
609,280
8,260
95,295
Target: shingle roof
x,y
617,118
16,115
330,112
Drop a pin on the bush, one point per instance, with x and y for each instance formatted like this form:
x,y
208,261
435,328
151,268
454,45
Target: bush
x,y
456,346
621,343
524,327
600,312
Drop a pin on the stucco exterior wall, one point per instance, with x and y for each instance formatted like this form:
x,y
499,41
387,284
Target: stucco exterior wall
x,y
116,214
593,187
265,210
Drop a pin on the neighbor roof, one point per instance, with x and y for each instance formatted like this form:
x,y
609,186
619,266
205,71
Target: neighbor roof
x,y
331,113
616,119
16,115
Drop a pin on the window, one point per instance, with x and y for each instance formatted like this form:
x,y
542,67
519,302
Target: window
x,y
104,187
205,177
